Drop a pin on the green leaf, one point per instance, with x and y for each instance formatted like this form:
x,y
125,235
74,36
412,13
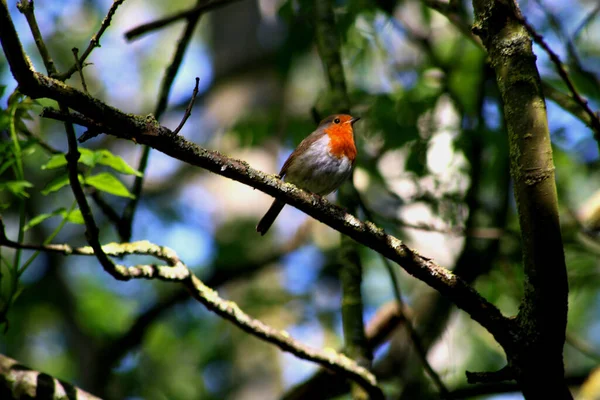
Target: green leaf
x,y
116,162
74,217
88,157
56,184
17,187
56,161
42,217
106,182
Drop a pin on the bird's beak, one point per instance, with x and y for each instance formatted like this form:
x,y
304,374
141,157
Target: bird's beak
x,y
353,120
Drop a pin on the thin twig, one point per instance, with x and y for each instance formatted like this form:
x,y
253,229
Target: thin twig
x,y
177,271
26,7
188,110
94,42
75,51
92,231
125,226
585,22
562,72
189,13
583,347
414,336
570,104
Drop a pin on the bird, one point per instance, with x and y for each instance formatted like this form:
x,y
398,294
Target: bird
x,y
320,163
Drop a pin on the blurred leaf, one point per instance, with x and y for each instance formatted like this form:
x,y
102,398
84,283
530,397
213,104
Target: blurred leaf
x,y
106,182
466,76
42,217
8,161
56,161
88,157
56,184
74,217
17,188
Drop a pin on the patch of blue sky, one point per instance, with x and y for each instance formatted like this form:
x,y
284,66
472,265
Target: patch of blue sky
x,y
85,269
193,246
301,268
380,351
199,213
377,288
507,396
128,363
491,112
196,63
570,133
296,370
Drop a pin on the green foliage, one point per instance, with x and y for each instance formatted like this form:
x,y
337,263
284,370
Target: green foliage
x,y
72,216
107,182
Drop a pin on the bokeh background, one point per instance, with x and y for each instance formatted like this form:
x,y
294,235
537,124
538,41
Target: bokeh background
x,y
432,168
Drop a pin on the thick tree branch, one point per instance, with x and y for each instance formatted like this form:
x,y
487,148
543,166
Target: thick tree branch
x,y
536,358
19,382
145,130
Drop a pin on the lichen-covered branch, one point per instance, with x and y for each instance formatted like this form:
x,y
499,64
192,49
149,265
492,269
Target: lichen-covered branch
x,y
177,271
20,382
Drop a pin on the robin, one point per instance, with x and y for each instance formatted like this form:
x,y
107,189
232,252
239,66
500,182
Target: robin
x,y
320,163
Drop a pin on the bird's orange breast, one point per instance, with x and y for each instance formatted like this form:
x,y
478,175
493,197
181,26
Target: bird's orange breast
x,y
341,141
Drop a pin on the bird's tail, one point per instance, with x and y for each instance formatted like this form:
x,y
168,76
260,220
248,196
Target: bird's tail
x,y
265,223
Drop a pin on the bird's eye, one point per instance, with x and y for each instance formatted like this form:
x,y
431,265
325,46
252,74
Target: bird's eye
x,y
336,121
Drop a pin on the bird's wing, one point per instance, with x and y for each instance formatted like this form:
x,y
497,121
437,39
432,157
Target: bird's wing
x,y
306,143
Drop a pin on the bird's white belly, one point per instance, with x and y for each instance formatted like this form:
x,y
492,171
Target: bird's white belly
x,y
317,170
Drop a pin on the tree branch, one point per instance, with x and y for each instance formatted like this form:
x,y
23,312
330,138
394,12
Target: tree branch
x,y
536,358
125,225
145,130
193,12
177,271
387,318
562,72
19,382
568,103
94,42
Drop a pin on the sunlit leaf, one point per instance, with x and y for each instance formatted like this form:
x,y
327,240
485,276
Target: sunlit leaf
x,y
106,182
109,159
88,157
74,217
